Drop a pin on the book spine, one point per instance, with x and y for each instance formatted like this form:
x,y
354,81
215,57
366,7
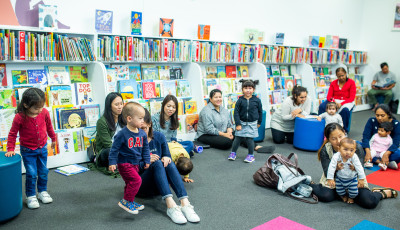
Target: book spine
x,y
117,48
22,45
165,49
129,48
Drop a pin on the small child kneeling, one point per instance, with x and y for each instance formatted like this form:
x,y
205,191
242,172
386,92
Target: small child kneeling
x,y
181,158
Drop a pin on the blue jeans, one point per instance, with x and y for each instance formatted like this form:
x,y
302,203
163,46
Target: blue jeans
x,y
188,145
35,162
157,179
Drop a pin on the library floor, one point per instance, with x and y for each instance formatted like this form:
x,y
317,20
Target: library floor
x,y
224,196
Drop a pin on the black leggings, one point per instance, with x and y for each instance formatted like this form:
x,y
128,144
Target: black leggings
x,y
249,141
365,198
102,158
218,142
279,136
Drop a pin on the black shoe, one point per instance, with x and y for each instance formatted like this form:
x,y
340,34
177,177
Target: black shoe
x,y
266,149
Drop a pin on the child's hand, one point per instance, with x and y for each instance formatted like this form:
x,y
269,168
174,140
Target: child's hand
x,y
187,180
166,161
239,127
331,183
146,166
258,125
9,154
360,183
319,118
112,168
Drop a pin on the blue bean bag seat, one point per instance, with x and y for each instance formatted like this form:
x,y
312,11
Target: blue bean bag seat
x,y
308,134
261,129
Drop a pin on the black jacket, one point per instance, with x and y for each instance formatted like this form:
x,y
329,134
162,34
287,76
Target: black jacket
x,y
248,110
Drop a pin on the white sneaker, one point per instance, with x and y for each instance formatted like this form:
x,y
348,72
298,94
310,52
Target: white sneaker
x,y
45,197
382,166
190,214
368,165
393,165
32,202
176,215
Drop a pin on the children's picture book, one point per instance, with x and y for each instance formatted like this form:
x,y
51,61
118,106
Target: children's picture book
x,y
37,76
155,105
78,74
111,75
128,89
276,97
175,73
19,77
321,43
58,75
209,84
275,70
148,90
48,17
166,27
83,93
92,113
211,71
72,118
65,141
168,88
150,72
226,86
279,38
231,100
71,170
89,134
190,107
221,73
277,82
3,75
158,88
244,71
289,83
122,72
284,70
297,79
250,35
104,21
57,115
78,142
136,23
335,42
230,71
182,124
134,73
183,88
203,32
191,123
163,72
342,43
313,41
6,120
59,95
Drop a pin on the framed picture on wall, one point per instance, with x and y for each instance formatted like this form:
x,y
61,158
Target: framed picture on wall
x,y
396,21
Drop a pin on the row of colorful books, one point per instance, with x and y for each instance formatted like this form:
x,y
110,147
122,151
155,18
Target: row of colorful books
x,y
229,71
121,48
322,70
283,82
325,80
44,46
226,85
332,42
50,75
323,56
143,72
188,123
71,117
281,70
279,54
222,52
278,96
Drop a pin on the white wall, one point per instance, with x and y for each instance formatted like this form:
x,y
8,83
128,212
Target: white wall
x,y
382,43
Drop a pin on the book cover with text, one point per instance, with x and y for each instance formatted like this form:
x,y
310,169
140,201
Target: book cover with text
x,y
203,32
166,28
48,17
136,23
104,21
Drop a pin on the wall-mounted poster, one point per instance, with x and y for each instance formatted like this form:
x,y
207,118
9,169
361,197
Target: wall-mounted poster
x,y
396,24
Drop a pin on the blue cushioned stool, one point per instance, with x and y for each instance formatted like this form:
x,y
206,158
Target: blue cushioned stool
x,y
10,186
261,129
308,134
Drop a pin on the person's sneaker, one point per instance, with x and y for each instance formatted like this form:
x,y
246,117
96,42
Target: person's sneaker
x,y
128,206
382,166
368,164
32,202
249,158
45,197
176,215
232,156
190,214
138,206
393,165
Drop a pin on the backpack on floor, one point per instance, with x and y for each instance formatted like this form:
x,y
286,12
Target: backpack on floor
x,y
281,173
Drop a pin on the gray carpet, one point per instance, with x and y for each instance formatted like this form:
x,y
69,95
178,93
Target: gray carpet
x,y
224,196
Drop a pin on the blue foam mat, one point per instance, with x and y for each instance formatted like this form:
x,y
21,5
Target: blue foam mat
x,y
368,225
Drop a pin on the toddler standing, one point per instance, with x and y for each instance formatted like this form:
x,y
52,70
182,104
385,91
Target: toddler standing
x,y
346,177
130,146
248,117
331,115
33,123
380,143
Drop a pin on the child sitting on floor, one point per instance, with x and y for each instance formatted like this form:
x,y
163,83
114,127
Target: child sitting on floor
x,y
181,158
331,115
346,177
380,143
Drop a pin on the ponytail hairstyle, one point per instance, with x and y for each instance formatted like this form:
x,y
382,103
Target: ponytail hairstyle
x,y
327,133
147,120
249,83
31,97
297,90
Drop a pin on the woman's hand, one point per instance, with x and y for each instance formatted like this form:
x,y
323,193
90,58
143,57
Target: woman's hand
x,y
385,157
351,166
295,112
331,183
154,157
239,127
166,161
367,157
338,105
9,154
300,115
360,183
187,180
339,166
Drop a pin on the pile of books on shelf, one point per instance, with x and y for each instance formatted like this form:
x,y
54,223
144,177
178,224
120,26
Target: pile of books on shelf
x,y
127,48
280,54
321,56
281,82
222,52
44,46
322,80
69,101
362,89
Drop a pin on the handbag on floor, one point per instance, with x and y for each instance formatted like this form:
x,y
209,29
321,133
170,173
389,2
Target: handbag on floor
x,y
283,174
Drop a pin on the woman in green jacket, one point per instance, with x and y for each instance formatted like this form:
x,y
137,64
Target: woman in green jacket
x,y
107,126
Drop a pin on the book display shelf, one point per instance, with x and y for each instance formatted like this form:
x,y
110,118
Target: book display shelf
x,y
64,66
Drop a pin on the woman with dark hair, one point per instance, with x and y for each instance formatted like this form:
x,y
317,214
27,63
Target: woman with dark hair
x,y
342,91
392,156
107,126
167,122
366,198
157,179
215,127
282,121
